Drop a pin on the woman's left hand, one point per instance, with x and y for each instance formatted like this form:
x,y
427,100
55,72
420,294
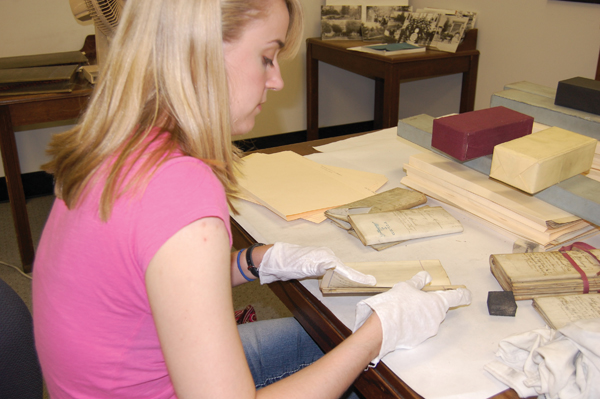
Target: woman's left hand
x,y
288,261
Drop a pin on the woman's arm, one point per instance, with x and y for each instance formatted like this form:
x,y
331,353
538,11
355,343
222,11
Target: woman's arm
x,y
257,255
189,288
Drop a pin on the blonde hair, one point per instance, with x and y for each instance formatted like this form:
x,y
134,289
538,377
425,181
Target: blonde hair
x,y
164,68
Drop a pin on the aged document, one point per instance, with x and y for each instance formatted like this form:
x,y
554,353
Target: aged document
x,y
387,274
535,274
558,311
391,200
380,228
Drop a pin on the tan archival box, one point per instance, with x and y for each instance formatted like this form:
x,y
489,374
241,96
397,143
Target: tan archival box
x,y
540,160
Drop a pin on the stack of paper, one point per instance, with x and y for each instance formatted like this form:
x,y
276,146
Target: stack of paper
x,y
295,187
501,205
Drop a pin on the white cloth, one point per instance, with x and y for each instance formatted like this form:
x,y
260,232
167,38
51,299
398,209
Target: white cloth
x,y
563,364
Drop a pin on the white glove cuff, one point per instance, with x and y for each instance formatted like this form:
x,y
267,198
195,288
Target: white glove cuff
x,y
363,311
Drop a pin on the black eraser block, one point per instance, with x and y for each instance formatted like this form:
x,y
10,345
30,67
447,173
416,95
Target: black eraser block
x,y
501,303
579,93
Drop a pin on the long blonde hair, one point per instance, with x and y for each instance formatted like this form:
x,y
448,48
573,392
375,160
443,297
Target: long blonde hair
x,y
164,68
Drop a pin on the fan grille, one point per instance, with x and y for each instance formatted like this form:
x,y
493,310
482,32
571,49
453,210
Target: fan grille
x,y
106,14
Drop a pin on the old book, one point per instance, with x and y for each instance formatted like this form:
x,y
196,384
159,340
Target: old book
x,y
380,228
475,134
558,311
538,161
392,200
535,274
387,274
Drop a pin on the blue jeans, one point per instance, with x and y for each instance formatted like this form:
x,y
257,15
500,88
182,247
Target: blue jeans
x,y
277,348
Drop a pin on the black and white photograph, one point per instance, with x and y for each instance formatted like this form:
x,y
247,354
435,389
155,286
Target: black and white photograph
x,y
419,28
383,23
341,22
449,33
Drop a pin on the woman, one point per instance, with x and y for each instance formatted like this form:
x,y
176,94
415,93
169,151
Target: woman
x,y
133,274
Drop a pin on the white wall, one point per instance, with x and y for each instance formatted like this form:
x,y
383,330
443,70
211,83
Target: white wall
x,y
38,27
542,41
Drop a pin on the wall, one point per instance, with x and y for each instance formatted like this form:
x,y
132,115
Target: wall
x,y
542,41
38,27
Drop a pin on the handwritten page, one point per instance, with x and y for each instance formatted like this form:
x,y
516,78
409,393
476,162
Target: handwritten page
x,y
558,311
380,228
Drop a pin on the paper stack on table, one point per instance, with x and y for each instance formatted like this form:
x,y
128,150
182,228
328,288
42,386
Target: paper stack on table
x,y
504,206
295,187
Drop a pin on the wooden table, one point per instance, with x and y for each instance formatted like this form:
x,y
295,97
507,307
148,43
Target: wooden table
x,y
24,110
388,72
322,325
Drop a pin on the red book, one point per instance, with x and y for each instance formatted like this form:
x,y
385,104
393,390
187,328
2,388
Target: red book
x,y
474,134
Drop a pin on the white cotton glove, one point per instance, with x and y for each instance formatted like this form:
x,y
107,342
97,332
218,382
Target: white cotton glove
x,y
408,315
285,261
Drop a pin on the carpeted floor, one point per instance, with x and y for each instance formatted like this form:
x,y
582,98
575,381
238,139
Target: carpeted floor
x,y
265,303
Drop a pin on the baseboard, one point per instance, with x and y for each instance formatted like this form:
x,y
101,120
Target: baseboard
x,y
36,184
277,140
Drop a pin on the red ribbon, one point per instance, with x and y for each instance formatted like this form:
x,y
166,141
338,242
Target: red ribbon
x,y
586,248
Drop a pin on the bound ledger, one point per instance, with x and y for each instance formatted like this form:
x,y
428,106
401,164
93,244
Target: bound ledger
x,y
387,274
535,274
380,228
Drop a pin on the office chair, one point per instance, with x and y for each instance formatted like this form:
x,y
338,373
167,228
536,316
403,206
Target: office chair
x,y
20,372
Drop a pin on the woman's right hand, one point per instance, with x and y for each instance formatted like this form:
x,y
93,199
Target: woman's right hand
x,y
408,315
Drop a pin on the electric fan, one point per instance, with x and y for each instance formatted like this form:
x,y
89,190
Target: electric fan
x,y
105,14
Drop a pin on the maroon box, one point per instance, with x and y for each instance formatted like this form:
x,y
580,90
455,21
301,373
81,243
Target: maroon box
x,y
474,134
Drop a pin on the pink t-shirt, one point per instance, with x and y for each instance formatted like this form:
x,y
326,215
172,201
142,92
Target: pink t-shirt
x,y
94,331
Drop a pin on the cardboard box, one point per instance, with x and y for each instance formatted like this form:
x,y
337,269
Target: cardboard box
x,y
540,160
579,93
474,134
417,129
543,110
